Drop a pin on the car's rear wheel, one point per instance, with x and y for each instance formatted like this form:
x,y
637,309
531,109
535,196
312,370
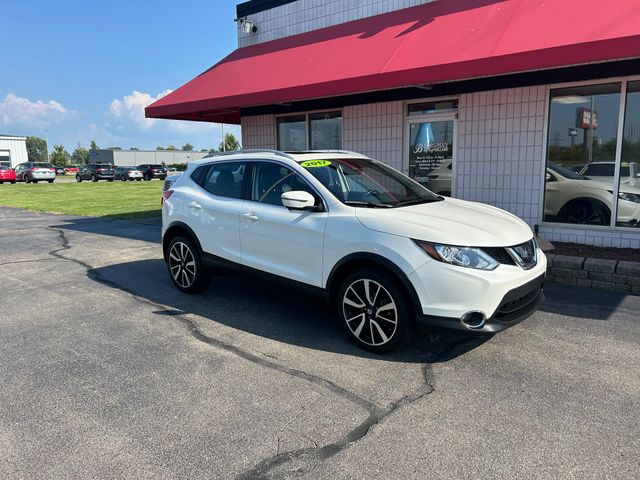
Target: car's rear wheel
x,y
123,178
78,179
374,310
185,266
94,178
587,213
50,181
27,179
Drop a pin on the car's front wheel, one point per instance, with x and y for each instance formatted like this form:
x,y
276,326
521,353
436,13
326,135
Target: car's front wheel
x,y
375,310
186,269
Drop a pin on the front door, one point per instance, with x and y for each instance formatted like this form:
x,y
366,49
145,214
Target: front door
x,y
430,150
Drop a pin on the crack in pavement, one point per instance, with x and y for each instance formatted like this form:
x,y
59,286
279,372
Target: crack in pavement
x,y
376,414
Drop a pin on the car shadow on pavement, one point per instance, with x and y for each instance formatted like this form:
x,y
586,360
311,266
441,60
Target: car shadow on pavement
x,y
146,229
580,302
267,309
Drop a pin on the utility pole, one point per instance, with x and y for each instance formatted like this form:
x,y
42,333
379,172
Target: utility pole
x,y
46,140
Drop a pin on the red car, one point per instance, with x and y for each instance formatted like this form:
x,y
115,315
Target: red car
x,y
72,169
7,175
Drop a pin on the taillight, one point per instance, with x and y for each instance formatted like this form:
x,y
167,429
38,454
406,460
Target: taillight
x,y
165,196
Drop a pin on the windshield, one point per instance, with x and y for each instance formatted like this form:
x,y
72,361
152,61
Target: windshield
x,y
368,183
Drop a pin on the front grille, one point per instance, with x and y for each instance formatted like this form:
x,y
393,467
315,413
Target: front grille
x,y
515,305
520,301
500,255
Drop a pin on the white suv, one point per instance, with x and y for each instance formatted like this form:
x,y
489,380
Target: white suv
x,y
381,247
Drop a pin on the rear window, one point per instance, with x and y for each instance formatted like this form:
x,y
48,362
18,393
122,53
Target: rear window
x,y
156,166
103,166
42,165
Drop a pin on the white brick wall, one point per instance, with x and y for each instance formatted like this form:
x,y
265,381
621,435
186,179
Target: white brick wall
x,y
259,131
500,149
375,130
306,15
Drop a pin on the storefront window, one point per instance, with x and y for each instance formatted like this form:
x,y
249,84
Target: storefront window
x,y
325,130
629,192
431,154
581,154
292,133
425,108
322,130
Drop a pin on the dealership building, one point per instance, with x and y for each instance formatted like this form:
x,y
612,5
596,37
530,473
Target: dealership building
x,y
13,150
132,158
529,105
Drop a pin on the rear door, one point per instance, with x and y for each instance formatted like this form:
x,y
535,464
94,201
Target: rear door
x,y
274,239
213,209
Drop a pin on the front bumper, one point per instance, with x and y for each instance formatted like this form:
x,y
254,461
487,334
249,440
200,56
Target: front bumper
x,y
503,297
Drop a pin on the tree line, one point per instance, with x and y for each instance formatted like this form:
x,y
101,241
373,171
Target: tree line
x,y
37,150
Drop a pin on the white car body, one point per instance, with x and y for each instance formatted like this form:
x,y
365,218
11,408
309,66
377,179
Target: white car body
x,y
604,171
309,247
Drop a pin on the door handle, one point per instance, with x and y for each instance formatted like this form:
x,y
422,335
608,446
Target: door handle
x,y
195,206
250,216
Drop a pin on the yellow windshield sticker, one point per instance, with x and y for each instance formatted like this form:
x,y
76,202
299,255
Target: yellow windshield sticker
x,y
315,163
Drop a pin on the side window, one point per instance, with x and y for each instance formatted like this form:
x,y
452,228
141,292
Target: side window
x,y
271,180
224,179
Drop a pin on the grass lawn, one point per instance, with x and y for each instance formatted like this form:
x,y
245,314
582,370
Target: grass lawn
x,y
102,199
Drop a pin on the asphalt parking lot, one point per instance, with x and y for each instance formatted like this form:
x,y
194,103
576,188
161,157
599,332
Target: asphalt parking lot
x,y
108,372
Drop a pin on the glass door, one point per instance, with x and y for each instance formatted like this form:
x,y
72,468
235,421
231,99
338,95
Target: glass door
x,y
430,149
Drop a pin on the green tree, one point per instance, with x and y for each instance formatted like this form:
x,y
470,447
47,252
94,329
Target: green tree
x,y
60,156
230,142
171,148
114,148
36,149
80,156
94,145
134,149
187,147
159,148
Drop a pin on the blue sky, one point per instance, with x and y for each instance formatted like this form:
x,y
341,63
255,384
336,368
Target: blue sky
x,y
84,70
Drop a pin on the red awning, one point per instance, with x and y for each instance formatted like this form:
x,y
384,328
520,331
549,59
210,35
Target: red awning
x,y
441,41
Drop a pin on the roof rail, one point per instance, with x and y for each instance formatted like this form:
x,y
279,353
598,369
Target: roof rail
x,y
251,150
348,152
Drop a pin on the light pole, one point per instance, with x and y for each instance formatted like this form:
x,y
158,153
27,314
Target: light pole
x,y
46,140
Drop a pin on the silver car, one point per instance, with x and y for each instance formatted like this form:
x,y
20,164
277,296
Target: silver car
x,y
35,171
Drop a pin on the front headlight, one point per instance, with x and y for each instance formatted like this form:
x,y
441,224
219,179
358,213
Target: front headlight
x,y
630,197
468,257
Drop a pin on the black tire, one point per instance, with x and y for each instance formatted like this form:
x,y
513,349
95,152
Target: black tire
x,y
78,179
34,181
13,182
50,181
368,320
137,179
109,179
26,179
587,213
123,178
94,178
185,266
146,177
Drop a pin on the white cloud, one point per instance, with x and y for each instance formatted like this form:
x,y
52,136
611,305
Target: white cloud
x,y
131,107
16,110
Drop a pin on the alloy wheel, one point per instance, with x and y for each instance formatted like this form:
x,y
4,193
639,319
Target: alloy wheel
x,y
182,264
585,215
370,312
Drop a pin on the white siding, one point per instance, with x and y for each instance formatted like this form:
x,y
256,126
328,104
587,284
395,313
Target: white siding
x,y
307,15
16,147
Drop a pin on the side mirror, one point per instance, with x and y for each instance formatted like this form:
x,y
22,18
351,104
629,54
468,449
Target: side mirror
x,y
298,200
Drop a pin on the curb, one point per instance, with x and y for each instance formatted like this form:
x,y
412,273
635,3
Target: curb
x,y
613,275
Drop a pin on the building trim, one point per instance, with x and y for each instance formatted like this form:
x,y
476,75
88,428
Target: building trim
x,y
257,6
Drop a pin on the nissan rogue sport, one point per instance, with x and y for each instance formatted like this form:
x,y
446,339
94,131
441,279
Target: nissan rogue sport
x,y
382,248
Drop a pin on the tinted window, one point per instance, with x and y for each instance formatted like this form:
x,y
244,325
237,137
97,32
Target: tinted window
x,y
271,180
600,169
292,133
224,179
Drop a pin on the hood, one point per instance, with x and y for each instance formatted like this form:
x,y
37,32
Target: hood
x,y
452,221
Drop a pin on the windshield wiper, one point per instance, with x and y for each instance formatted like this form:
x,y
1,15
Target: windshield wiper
x,y
353,203
418,201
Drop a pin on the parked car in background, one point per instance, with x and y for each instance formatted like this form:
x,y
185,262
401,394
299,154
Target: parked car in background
x,y
153,171
61,171
127,173
95,172
381,247
604,171
7,174
439,179
574,198
72,169
171,170
35,172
